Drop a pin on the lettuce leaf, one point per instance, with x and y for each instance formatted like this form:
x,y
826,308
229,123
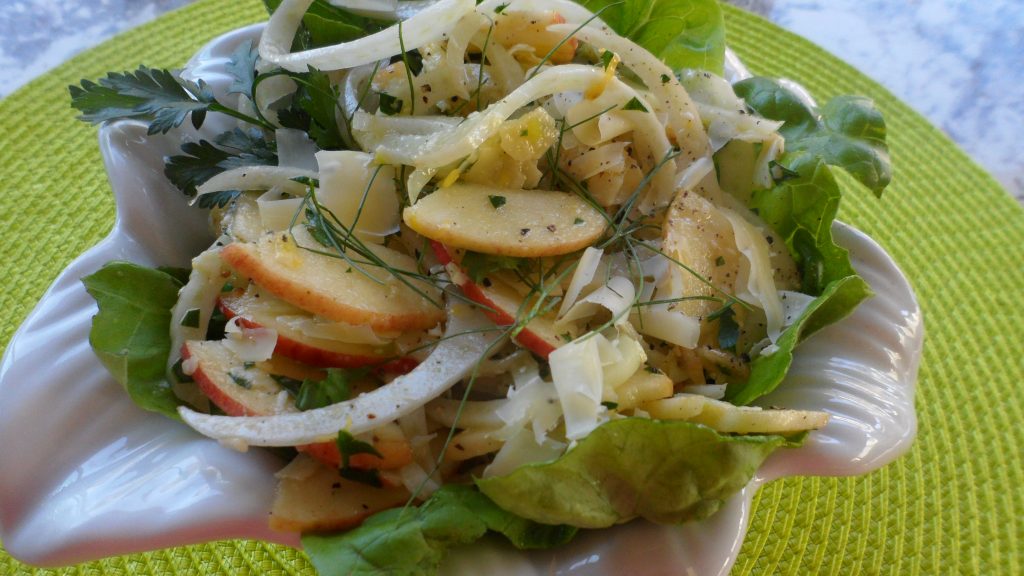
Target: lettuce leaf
x,y
849,132
665,471
415,540
684,34
325,24
130,333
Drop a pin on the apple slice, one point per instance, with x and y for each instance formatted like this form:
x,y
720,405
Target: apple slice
x,y
248,389
500,304
236,387
508,222
295,268
264,310
312,497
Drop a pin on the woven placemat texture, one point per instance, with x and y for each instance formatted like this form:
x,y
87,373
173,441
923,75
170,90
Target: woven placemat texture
x,y
953,505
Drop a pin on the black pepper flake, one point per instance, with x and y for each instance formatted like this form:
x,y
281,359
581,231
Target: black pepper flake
x,y
524,231
552,228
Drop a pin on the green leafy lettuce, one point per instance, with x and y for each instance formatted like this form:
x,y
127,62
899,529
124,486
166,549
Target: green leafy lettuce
x,y
665,471
415,540
684,34
325,24
849,133
130,333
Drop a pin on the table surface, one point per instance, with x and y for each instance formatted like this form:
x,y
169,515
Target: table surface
x,y
956,62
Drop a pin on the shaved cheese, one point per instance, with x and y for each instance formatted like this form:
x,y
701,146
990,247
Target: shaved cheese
x,y
532,401
672,326
257,178
617,297
793,305
582,276
429,25
295,149
360,195
279,211
578,376
249,344
454,357
521,449
755,283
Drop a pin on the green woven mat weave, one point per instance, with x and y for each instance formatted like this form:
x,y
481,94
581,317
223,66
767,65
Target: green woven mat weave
x,y
953,505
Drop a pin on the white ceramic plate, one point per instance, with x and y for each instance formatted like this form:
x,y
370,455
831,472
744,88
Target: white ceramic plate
x,y
85,474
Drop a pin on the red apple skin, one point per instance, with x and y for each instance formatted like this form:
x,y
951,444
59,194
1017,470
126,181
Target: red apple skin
x,y
526,338
324,358
327,452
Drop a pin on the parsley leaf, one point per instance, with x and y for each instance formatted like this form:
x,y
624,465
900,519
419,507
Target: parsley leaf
x,y
203,160
148,93
336,387
389,104
348,446
728,329
242,68
635,104
478,265
160,96
497,201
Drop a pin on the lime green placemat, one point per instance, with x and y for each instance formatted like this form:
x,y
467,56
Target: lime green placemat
x,y
953,505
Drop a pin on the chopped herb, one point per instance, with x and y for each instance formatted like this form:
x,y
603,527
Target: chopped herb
x,y
306,181
720,261
240,380
191,318
578,221
524,132
496,201
610,405
248,365
348,446
665,78
728,330
567,337
227,287
478,265
179,372
389,104
336,387
414,59
606,58
501,8
635,104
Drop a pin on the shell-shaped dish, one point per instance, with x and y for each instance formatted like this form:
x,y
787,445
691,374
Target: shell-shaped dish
x,y
85,474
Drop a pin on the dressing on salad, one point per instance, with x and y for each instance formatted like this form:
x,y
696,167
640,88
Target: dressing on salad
x,y
484,260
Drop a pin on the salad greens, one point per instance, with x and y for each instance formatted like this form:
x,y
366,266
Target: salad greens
x,y
682,34
848,133
130,333
664,471
415,540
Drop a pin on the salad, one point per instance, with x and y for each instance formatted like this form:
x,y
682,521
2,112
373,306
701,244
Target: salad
x,y
516,267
